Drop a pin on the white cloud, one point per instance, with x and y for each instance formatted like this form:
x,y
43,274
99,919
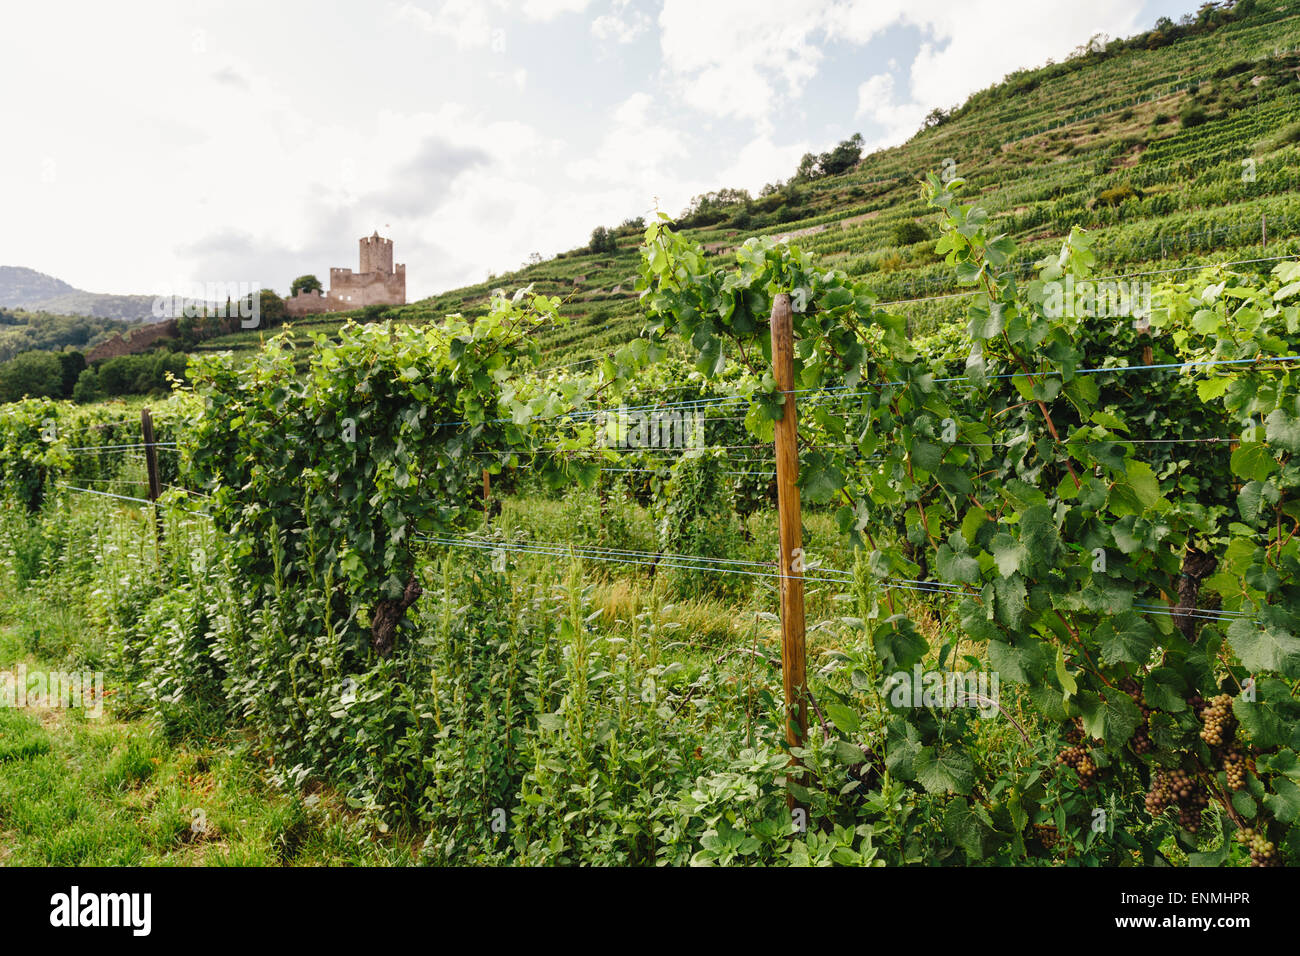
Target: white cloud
x,y
621,25
255,160
974,45
637,155
747,58
550,9
475,24
737,58
465,22
877,104
761,161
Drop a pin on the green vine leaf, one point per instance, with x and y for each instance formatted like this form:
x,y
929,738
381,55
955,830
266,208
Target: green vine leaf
x,y
946,770
1267,645
1112,720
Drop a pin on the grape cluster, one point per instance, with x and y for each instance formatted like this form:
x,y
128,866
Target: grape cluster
x,y
1177,788
1218,724
1141,739
1235,766
1046,834
1078,758
1262,851
1074,733
1219,730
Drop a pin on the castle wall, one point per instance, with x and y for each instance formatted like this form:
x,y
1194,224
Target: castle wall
x,y
378,282
352,290
307,303
136,341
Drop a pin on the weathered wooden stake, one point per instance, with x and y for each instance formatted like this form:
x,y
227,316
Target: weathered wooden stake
x,y
151,463
791,559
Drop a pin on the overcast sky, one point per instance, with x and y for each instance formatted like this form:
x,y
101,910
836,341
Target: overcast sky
x,y
151,145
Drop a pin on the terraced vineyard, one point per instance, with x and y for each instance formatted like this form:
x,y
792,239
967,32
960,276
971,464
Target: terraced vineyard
x,y
1097,141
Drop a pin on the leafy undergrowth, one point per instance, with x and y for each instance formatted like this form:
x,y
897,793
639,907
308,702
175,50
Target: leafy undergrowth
x,y
79,790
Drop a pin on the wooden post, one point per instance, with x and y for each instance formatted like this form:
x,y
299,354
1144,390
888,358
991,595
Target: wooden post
x,y
791,558
151,464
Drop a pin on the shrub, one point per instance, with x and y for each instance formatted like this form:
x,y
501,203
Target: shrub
x,y
1117,194
602,241
908,233
890,261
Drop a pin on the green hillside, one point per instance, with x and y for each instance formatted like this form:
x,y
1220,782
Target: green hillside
x,y
1143,142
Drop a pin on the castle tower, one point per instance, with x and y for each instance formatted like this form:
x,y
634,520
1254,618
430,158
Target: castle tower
x,y
378,282
376,255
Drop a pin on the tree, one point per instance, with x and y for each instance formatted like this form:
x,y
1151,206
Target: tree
x,y
842,158
72,363
838,160
602,240
87,389
130,375
31,374
272,308
711,207
936,117
307,283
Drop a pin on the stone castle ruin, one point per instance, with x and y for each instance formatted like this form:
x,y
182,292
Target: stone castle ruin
x,y
377,282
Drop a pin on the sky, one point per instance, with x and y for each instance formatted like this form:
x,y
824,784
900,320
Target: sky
x,y
153,145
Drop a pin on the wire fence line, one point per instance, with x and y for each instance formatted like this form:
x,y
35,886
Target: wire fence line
x,y
667,453
689,562
1028,268
124,447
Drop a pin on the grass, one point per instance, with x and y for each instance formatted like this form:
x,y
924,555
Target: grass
x,y
80,790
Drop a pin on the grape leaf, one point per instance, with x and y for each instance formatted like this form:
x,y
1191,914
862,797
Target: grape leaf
x,y
1266,645
945,771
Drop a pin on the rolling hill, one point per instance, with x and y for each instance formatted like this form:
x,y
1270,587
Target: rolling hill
x,y
33,291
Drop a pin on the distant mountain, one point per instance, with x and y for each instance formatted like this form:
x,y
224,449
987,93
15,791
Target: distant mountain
x,y
34,291
23,287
